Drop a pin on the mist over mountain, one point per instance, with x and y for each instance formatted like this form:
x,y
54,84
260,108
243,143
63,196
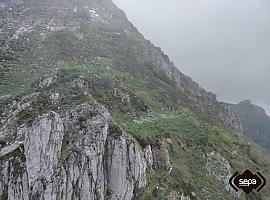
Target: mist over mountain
x,y
224,45
90,109
255,121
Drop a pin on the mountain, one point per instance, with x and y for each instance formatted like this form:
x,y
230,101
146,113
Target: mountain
x,y
255,121
90,109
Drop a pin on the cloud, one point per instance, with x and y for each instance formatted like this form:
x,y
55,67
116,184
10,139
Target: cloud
x,y
224,45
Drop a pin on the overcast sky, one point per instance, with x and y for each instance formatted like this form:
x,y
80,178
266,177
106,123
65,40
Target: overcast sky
x,y
224,45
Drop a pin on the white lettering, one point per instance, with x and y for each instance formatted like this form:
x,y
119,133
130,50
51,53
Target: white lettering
x,y
247,182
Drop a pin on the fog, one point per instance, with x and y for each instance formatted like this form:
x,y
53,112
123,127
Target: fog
x,y
224,45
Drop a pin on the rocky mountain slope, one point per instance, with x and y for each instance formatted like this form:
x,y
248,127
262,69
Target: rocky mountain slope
x,y
255,121
89,109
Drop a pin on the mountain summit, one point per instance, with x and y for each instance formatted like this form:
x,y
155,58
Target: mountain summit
x,y
89,109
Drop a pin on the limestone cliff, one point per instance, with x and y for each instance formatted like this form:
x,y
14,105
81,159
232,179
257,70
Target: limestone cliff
x,y
80,156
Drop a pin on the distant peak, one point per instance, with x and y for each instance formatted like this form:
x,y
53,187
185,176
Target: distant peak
x,y
247,104
247,101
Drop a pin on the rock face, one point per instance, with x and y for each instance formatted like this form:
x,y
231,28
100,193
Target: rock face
x,y
80,156
124,182
255,121
231,118
161,159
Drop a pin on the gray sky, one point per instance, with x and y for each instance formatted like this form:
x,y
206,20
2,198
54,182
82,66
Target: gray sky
x,y
224,45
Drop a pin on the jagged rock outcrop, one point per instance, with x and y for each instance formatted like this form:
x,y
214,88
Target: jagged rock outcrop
x,y
79,82
218,167
161,159
184,197
157,157
80,156
149,157
47,81
230,117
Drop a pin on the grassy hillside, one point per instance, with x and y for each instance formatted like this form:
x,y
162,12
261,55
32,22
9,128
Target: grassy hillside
x,y
107,61
153,112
